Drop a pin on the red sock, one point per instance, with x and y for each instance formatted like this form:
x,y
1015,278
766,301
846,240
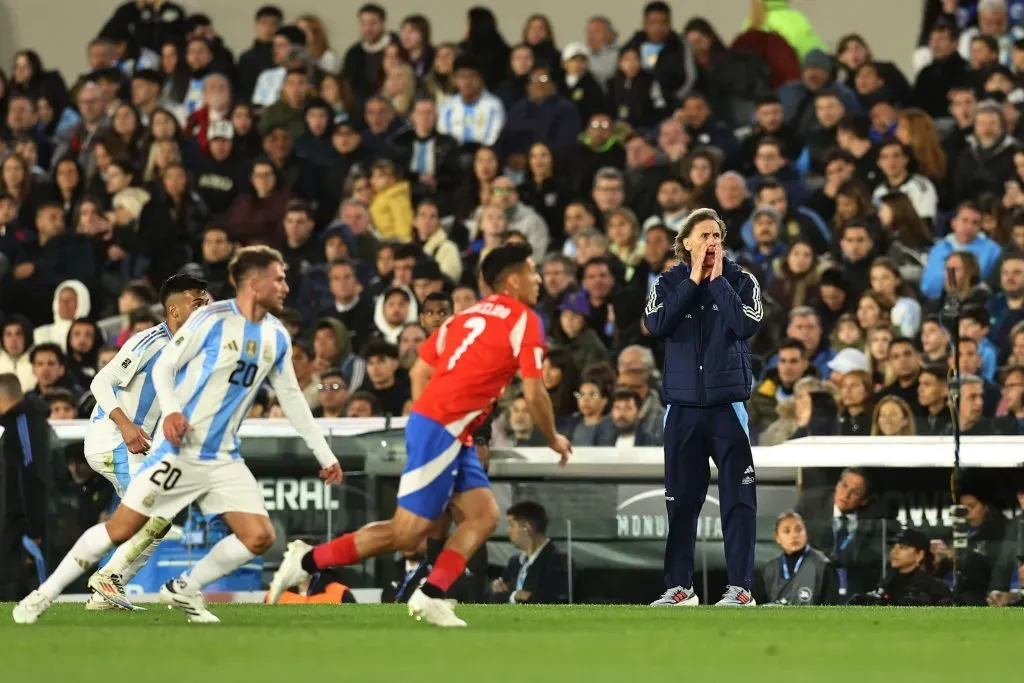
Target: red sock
x,y
448,567
337,553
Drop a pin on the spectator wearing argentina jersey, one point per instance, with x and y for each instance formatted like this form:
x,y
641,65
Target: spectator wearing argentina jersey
x,y
473,116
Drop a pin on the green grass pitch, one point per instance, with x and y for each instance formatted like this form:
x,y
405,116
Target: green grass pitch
x,y
521,644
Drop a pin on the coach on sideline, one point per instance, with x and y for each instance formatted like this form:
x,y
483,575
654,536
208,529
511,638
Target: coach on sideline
x,y
706,309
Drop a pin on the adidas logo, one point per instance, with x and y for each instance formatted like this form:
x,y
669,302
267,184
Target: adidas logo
x,y
747,481
714,307
231,346
749,470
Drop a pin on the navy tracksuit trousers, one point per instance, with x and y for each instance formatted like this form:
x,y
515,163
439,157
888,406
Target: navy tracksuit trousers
x,y
692,435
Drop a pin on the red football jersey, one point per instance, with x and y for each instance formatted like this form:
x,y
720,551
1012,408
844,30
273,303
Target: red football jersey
x,y
475,354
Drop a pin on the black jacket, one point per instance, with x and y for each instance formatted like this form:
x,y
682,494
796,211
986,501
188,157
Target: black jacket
x,y
916,589
587,95
675,70
251,64
931,88
219,182
24,461
446,167
980,170
706,329
547,579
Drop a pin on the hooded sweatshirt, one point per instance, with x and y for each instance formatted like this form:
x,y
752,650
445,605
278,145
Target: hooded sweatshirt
x,y
391,332
20,365
57,331
352,366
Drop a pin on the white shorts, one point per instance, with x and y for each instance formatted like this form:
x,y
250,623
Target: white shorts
x,y
118,466
172,483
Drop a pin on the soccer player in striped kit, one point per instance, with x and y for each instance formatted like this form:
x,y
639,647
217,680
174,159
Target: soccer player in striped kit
x,y
206,380
706,309
122,424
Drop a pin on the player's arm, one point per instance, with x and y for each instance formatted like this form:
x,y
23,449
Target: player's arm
x,y
538,402
119,372
296,409
423,369
185,346
741,308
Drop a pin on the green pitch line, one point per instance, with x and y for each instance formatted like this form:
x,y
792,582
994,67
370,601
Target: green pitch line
x,y
586,644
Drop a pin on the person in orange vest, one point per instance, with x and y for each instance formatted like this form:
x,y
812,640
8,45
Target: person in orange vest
x,y
323,588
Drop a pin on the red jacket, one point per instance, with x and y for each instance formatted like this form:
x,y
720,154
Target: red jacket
x,y
258,221
774,50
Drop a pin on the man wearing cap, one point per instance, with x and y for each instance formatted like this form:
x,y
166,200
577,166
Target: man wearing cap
x,y
289,43
473,116
578,85
910,585
706,309
798,96
220,173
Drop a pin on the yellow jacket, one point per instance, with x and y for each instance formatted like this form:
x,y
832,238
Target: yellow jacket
x,y
391,211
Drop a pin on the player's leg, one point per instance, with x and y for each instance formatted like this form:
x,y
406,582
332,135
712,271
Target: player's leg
x,y
132,555
229,490
90,548
687,475
727,428
423,494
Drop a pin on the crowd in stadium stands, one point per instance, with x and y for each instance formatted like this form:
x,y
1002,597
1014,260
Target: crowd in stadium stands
x,y
862,198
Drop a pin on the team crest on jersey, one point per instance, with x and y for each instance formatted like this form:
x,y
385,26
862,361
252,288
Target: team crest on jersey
x,y
149,500
179,341
250,348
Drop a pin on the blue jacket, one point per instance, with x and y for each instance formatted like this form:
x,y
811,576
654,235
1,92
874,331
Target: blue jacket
x,y
933,280
705,328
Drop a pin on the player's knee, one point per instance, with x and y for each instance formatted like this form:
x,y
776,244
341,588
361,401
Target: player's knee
x,y
259,539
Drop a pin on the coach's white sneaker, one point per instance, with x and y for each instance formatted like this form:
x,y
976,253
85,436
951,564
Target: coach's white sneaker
x,y
30,608
290,573
107,588
736,597
677,597
436,611
172,594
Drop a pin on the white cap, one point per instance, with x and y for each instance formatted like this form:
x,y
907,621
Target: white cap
x,y
220,129
573,50
848,360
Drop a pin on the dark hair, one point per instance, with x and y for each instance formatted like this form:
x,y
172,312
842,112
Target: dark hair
x,y
530,512
502,261
904,340
366,397
270,11
181,282
379,348
791,343
561,395
407,251
58,394
422,24
977,313
248,259
658,6
297,71
22,322
373,8
344,262
48,347
939,371
769,183
990,42
767,98
142,315
787,514
10,386
299,206
857,125
440,296
628,395
483,26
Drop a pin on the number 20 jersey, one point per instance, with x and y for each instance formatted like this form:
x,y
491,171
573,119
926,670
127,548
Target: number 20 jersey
x,y
475,355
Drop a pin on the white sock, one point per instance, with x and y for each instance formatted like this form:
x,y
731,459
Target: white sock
x,y
131,555
87,551
225,557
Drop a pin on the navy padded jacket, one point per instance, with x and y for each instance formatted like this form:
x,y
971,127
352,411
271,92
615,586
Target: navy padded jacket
x,y
706,329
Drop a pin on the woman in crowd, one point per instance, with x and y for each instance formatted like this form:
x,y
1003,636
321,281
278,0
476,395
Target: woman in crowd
x,y
996,219
847,334
476,187
188,213
538,34
68,186
872,310
801,575
817,414
174,70
624,239
545,190
572,333
255,217
879,339
892,417
162,155
888,284
486,44
795,275
128,126
246,143
414,36
701,169
561,377
629,91
317,45
908,235
439,83
16,180
916,130
513,88
855,394
853,201
967,284
336,92
399,89
592,426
